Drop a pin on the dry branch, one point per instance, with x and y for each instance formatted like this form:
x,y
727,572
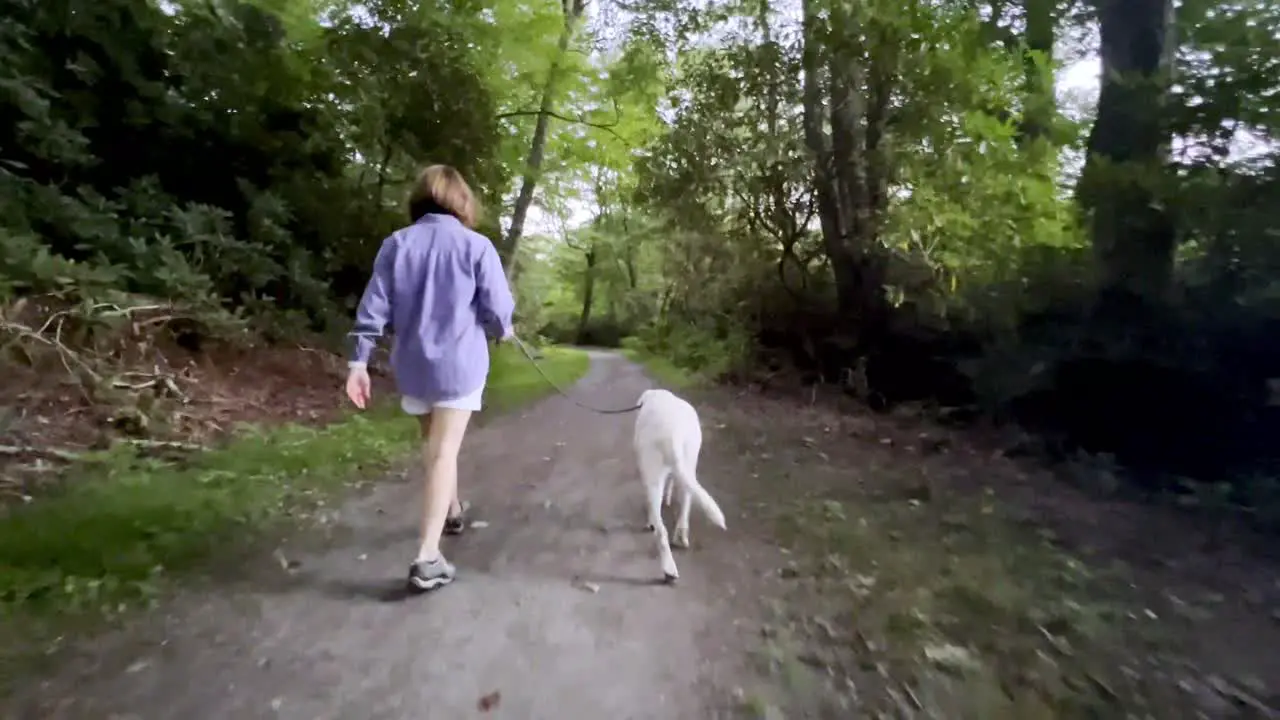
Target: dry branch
x,y
28,450
91,370
165,445
21,331
156,380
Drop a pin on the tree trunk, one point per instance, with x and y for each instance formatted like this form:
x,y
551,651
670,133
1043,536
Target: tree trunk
x,y
632,279
629,258
573,10
1133,239
588,294
819,144
387,152
1040,104
850,178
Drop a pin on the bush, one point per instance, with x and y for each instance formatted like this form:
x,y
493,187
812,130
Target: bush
x,y
695,350
204,155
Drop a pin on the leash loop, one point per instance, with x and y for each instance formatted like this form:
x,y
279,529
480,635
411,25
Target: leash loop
x,y
529,355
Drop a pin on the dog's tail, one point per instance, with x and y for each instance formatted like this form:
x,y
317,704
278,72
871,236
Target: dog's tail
x,y
688,478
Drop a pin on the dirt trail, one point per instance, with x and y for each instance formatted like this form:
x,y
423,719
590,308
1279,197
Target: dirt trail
x,y
555,608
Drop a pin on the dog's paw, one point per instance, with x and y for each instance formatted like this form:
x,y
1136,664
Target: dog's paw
x,y
680,537
669,570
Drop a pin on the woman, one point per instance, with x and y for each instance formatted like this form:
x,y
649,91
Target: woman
x,y
441,286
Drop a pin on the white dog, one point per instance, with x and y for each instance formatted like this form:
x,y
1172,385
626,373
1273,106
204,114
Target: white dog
x,y
668,438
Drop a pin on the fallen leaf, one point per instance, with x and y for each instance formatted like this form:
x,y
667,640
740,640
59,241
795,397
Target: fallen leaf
x,y
951,656
489,702
285,563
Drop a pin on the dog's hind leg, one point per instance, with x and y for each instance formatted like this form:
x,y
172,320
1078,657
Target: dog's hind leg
x,y
680,537
655,475
653,501
653,506
668,485
669,571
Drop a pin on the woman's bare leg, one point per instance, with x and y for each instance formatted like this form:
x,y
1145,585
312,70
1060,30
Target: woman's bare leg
x,y
442,432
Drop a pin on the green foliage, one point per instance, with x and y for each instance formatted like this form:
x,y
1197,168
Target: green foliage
x,y
1225,195
673,369
726,244
615,258
973,221
692,351
982,216
229,155
514,380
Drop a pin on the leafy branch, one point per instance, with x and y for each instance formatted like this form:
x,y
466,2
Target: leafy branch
x,y
581,120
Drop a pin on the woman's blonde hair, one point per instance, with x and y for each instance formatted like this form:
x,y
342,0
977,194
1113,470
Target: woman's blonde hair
x,y
441,189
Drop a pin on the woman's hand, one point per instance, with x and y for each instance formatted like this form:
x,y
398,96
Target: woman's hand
x,y
358,386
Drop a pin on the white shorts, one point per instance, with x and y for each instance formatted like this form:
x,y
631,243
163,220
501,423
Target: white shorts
x,y
414,406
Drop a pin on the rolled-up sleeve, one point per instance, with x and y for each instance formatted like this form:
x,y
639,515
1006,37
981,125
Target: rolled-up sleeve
x,y
493,294
374,311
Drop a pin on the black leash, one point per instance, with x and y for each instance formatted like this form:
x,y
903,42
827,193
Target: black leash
x,y
528,354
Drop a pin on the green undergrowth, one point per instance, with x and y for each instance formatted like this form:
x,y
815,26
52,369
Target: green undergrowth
x,y
667,373
122,525
515,381
687,356
951,610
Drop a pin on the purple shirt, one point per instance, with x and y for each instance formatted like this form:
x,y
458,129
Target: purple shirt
x,y
441,287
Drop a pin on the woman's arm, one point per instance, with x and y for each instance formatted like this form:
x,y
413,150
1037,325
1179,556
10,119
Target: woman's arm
x,y
493,294
374,311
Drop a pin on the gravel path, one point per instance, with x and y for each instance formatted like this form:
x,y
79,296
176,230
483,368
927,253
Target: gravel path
x,y
556,613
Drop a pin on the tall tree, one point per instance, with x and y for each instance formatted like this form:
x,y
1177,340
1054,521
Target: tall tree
x,y
1133,237
849,70
573,10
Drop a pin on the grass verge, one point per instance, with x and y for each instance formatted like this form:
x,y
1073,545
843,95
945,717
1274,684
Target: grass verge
x,y
122,525
949,609
667,373
513,381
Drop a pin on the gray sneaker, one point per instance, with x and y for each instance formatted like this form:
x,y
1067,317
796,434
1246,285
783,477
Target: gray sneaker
x,y
426,576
